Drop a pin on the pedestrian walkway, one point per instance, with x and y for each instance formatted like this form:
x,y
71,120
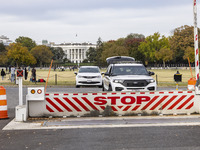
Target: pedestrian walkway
x,y
121,121
105,122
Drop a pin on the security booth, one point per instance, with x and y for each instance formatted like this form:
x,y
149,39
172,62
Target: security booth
x,y
177,78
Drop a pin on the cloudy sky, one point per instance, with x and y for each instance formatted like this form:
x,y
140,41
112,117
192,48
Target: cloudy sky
x,y
61,20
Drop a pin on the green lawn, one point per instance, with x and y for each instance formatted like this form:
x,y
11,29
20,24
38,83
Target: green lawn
x,y
165,77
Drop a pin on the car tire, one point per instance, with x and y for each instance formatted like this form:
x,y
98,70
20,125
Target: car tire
x,y
77,86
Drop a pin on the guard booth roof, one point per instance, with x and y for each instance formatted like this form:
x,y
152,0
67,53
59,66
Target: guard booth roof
x,y
115,59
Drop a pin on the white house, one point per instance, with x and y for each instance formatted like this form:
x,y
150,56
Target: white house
x,y
75,52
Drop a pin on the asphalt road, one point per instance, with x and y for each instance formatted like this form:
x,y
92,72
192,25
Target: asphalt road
x,y
127,138
148,138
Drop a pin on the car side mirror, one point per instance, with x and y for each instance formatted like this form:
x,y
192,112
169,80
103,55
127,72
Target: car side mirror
x,y
151,73
75,73
106,74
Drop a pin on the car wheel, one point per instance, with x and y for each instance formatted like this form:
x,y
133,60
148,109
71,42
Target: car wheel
x,y
77,86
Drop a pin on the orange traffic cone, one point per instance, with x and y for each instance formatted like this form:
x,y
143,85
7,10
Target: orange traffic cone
x,y
191,84
3,103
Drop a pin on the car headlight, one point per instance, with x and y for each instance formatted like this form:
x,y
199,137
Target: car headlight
x,y
118,81
80,76
151,81
98,77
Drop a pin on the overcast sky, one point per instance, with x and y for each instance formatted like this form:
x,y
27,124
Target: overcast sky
x,y
61,20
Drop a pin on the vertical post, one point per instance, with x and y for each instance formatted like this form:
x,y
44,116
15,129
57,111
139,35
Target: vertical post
x,y
48,76
157,79
20,77
177,86
196,49
55,79
20,91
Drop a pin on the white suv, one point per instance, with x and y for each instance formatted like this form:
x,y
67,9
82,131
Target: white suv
x,y
127,76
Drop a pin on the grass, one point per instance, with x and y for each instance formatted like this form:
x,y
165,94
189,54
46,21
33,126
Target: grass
x,y
63,78
164,77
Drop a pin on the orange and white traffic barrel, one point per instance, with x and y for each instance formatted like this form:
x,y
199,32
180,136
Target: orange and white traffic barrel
x,y
3,103
191,84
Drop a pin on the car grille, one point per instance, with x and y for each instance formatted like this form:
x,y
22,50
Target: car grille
x,y
135,89
89,77
83,82
135,83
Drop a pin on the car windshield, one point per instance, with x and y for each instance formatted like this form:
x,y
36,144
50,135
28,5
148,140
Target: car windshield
x,y
129,70
89,70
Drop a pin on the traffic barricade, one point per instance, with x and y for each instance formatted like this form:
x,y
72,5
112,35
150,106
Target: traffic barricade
x,y
3,103
121,103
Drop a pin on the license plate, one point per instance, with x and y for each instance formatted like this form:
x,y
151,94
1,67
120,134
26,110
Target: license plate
x,y
89,81
136,90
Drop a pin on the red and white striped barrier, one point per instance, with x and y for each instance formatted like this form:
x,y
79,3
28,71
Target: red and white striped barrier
x,y
122,103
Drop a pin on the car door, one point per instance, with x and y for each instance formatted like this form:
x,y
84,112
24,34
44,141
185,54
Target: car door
x,y
106,79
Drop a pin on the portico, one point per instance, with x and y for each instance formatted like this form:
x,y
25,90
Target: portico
x,y
75,52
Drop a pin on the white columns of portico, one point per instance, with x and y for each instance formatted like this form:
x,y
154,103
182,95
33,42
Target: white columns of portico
x,y
78,55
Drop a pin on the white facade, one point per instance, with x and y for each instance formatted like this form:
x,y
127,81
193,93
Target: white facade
x,y
75,52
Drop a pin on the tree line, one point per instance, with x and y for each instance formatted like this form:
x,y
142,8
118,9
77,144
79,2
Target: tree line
x,y
25,52
154,49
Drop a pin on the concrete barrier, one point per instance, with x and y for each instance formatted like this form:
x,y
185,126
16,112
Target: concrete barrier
x,y
121,103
